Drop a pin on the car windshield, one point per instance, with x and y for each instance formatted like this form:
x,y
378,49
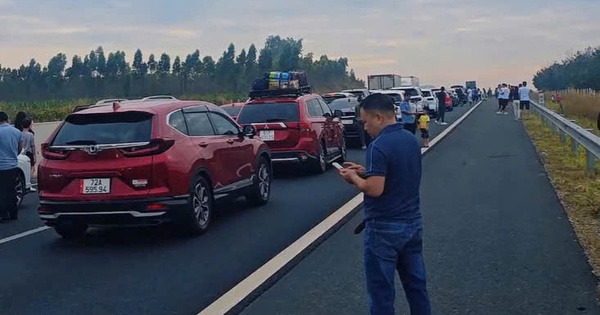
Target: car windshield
x,y
426,93
110,128
343,104
410,92
269,112
232,110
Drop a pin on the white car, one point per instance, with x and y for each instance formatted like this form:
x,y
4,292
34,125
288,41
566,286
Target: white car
x,y
396,95
431,99
23,181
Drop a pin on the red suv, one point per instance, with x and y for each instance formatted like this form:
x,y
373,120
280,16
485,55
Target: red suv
x,y
298,127
147,162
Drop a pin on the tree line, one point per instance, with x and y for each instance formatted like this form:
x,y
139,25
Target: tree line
x,y
98,75
580,71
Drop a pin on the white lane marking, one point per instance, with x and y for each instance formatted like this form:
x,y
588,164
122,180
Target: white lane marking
x,y
238,293
20,235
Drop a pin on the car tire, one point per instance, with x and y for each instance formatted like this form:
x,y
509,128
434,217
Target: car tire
x,y
198,213
260,191
19,190
71,230
319,166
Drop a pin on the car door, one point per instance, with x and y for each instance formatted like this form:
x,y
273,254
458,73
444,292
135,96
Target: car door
x,y
240,153
332,129
214,149
318,121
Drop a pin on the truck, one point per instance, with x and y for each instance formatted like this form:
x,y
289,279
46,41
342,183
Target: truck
x,y
382,81
409,81
471,84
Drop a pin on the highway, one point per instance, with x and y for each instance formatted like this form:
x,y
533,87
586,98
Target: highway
x,y
491,247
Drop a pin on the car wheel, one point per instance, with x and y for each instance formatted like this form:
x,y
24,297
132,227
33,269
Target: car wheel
x,y
320,164
71,230
260,191
19,190
199,209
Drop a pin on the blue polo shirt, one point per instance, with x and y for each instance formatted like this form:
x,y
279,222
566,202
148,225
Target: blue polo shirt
x,y
405,109
9,147
395,154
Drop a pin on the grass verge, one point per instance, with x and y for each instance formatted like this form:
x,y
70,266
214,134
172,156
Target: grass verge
x,y
578,191
584,108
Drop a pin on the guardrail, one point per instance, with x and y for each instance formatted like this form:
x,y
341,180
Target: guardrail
x,y
567,128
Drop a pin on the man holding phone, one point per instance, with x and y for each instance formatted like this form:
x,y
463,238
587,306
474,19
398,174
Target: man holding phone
x,y
392,224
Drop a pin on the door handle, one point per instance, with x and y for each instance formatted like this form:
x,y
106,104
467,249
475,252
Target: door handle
x,y
230,141
203,144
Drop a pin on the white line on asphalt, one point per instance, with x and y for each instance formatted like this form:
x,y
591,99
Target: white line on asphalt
x,y
20,235
247,286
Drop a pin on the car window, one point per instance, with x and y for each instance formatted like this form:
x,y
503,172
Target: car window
x,y
232,110
343,104
223,126
326,108
177,121
410,92
199,124
397,98
269,112
109,128
426,93
314,109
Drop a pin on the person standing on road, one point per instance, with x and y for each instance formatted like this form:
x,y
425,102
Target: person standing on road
x,y
524,97
11,143
424,127
515,104
441,96
503,99
409,116
392,225
28,141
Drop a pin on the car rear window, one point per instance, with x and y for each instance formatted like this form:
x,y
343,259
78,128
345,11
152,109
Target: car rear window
x,y
397,98
426,93
410,92
269,112
110,128
329,98
232,110
342,104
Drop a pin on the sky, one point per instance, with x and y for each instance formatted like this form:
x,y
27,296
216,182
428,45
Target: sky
x,y
443,42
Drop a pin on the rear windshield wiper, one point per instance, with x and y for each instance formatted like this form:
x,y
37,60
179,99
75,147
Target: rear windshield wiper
x,y
275,120
81,142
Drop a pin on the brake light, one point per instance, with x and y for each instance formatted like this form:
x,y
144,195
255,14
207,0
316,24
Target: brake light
x,y
305,129
156,146
53,153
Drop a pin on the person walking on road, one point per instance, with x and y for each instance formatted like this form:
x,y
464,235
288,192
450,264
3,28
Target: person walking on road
x,y
503,99
441,96
525,100
515,104
424,127
392,224
11,143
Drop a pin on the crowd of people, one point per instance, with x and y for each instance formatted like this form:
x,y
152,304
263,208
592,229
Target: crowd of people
x,y
13,139
515,95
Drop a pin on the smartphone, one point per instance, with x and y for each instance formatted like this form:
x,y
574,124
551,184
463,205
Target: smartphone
x,y
337,165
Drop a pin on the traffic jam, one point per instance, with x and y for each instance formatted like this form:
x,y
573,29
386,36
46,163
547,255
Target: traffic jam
x,y
159,160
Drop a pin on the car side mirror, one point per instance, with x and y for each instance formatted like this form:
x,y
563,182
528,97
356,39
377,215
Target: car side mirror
x,y
249,131
338,113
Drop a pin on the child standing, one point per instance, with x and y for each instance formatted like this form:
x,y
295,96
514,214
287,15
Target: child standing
x,y
424,126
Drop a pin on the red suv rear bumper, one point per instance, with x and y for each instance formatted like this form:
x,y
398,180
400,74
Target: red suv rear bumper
x,y
112,213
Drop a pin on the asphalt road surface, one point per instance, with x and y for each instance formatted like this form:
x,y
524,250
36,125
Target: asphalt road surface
x,y
496,239
148,271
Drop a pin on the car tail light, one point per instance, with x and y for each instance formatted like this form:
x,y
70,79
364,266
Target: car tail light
x,y
156,146
305,129
53,153
156,207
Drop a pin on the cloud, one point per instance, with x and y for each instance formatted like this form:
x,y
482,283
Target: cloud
x,y
441,42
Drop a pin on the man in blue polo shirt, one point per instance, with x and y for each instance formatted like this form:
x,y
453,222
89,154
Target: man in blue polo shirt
x,y
11,143
392,224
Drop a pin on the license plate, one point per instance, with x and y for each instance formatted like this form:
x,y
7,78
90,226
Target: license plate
x,y
267,135
93,186
347,122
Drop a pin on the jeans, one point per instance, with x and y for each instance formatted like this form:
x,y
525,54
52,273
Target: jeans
x,y
391,246
441,113
8,194
360,128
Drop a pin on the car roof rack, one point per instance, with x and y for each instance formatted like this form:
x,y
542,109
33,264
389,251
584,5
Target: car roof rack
x,y
110,101
159,97
290,92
